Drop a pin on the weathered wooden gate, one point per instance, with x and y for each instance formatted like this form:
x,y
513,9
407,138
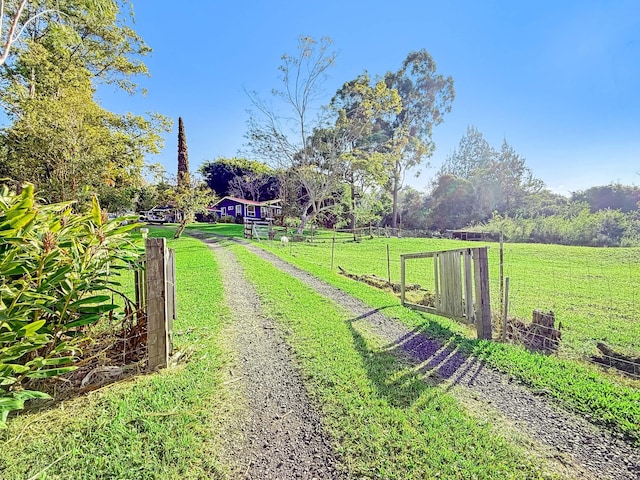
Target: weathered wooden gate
x,y
461,286
258,229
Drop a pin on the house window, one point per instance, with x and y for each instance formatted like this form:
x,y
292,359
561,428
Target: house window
x,y
251,210
230,208
223,210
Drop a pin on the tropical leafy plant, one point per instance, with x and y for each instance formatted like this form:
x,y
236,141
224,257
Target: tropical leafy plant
x,y
56,275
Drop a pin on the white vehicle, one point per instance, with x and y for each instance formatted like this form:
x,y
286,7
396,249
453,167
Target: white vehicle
x,y
152,217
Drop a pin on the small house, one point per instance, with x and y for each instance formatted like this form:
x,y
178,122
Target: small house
x,y
234,207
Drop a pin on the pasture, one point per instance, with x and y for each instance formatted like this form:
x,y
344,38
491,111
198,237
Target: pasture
x,y
594,292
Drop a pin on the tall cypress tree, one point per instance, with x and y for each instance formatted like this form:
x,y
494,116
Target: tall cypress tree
x,y
183,158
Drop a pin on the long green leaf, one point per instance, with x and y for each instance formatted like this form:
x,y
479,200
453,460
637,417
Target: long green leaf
x,y
51,372
93,299
58,361
96,212
97,309
83,321
32,328
30,395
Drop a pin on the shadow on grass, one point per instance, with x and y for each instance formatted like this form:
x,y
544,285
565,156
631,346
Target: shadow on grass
x,y
415,362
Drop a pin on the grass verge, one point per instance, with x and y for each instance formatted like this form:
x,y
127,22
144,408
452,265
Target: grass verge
x,y
388,423
151,427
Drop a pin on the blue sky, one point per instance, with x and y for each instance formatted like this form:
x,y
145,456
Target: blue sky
x,y
559,79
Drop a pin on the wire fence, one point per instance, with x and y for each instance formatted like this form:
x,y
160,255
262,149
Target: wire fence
x,y
594,293
137,336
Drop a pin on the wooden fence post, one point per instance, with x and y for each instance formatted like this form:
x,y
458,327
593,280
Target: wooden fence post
x,y
506,309
402,279
158,303
483,303
388,266
468,287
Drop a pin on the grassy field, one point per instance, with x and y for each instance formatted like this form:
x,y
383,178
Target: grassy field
x,y
611,401
594,292
155,426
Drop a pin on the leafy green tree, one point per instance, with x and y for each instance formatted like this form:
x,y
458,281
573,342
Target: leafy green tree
x,y
452,203
501,179
60,138
426,97
614,196
65,143
358,105
413,207
241,178
190,201
473,154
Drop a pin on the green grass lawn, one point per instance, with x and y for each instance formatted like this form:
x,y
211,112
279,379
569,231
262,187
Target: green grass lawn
x,y
387,421
594,292
152,427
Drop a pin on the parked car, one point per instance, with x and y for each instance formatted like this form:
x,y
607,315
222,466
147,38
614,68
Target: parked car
x,y
152,217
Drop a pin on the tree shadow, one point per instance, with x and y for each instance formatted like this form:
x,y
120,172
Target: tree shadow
x,y
413,364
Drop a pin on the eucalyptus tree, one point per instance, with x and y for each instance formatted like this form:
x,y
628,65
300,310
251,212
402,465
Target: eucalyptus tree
x,y
358,106
289,139
426,97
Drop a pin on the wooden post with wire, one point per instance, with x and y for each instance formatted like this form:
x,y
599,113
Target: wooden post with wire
x,y
506,309
160,297
388,266
333,247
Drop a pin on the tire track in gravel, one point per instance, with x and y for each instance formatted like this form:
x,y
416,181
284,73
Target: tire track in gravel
x,y
569,441
281,433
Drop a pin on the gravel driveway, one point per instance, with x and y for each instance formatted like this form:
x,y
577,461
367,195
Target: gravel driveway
x,y
280,433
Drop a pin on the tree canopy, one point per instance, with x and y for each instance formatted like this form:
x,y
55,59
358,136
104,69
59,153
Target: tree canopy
x,y
501,180
59,137
241,177
426,97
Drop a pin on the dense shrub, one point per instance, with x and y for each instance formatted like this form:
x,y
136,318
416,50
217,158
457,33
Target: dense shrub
x,y
208,217
227,219
604,228
55,267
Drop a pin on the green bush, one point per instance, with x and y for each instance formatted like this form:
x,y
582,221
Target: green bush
x,y
575,226
55,267
227,219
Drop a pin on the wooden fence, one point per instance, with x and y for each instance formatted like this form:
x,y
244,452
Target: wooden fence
x,y
258,229
461,286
